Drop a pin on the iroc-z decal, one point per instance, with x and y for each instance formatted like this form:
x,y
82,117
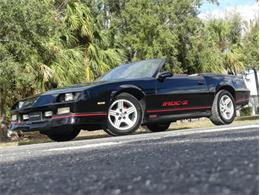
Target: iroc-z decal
x,y
175,103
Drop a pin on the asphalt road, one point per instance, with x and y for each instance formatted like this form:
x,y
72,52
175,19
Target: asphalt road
x,y
219,161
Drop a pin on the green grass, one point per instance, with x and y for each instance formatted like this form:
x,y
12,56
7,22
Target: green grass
x,y
35,138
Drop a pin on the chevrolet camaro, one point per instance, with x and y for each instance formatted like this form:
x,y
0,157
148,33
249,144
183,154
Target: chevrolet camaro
x,y
131,95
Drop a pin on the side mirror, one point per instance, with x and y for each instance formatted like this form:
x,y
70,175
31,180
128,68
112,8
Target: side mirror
x,y
163,75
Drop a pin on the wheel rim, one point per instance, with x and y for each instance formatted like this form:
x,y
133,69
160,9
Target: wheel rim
x,y
122,114
226,107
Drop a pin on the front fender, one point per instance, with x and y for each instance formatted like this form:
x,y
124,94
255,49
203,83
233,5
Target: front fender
x,y
128,88
224,84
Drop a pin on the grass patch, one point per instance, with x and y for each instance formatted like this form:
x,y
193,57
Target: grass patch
x,y
204,122
246,118
8,144
34,141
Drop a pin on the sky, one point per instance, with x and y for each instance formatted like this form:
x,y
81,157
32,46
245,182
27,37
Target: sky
x,y
248,9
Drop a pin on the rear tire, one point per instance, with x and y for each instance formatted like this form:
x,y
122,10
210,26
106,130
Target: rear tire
x,y
63,135
158,127
223,108
125,115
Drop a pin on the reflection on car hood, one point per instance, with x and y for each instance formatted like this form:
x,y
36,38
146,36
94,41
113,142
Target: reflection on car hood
x,y
73,88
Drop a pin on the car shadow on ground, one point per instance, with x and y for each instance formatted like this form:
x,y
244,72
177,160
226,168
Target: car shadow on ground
x,y
35,137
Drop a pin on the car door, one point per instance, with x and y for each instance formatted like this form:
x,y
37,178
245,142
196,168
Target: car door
x,y
180,94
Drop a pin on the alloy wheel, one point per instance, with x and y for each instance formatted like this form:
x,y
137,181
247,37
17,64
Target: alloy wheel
x,y
122,114
226,107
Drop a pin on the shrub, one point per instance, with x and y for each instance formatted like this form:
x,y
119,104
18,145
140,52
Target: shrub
x,y
246,111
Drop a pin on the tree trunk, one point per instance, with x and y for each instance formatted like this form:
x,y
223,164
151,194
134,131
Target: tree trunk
x,y
3,126
1,102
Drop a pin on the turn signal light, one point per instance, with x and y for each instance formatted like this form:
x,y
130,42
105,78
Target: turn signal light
x,y
25,117
14,118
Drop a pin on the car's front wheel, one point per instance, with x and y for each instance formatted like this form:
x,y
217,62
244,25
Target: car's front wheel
x,y
223,108
158,127
63,135
124,115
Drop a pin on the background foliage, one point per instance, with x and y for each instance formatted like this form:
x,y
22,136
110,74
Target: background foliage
x,y
53,43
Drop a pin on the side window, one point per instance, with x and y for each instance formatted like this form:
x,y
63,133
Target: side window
x,y
173,69
166,67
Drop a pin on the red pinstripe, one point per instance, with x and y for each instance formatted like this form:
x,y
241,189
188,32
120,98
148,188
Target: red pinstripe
x,y
179,109
79,115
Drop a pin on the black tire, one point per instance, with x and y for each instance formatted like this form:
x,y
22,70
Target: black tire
x,y
63,135
112,130
216,116
158,127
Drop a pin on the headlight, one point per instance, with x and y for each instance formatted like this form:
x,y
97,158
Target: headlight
x,y
69,97
20,105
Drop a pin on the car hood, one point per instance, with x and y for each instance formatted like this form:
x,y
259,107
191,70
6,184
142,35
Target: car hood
x,y
50,96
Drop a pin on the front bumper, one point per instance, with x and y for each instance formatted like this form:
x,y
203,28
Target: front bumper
x,y
72,120
42,125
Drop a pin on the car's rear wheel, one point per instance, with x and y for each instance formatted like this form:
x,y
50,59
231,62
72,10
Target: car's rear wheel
x,y
63,135
223,108
124,115
158,127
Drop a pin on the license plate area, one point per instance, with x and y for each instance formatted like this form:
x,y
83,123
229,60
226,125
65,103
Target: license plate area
x,y
35,116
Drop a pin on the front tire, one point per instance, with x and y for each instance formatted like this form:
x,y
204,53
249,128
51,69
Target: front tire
x,y
63,135
158,127
223,108
125,115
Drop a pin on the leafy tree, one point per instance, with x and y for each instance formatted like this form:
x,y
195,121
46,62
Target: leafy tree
x,y
204,54
25,55
250,45
157,29
250,51
49,44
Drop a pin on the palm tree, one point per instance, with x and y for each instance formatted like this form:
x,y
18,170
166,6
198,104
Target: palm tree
x,y
233,63
227,33
84,34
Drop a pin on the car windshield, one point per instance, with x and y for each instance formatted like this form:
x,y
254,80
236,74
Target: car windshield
x,y
141,69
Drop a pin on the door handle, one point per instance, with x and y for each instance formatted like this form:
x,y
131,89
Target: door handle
x,y
201,83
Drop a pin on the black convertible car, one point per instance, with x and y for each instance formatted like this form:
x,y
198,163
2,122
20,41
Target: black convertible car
x,y
130,95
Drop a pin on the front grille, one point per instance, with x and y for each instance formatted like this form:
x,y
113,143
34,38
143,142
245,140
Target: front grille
x,y
35,116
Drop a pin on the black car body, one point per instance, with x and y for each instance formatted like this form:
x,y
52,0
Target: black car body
x,y
163,97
